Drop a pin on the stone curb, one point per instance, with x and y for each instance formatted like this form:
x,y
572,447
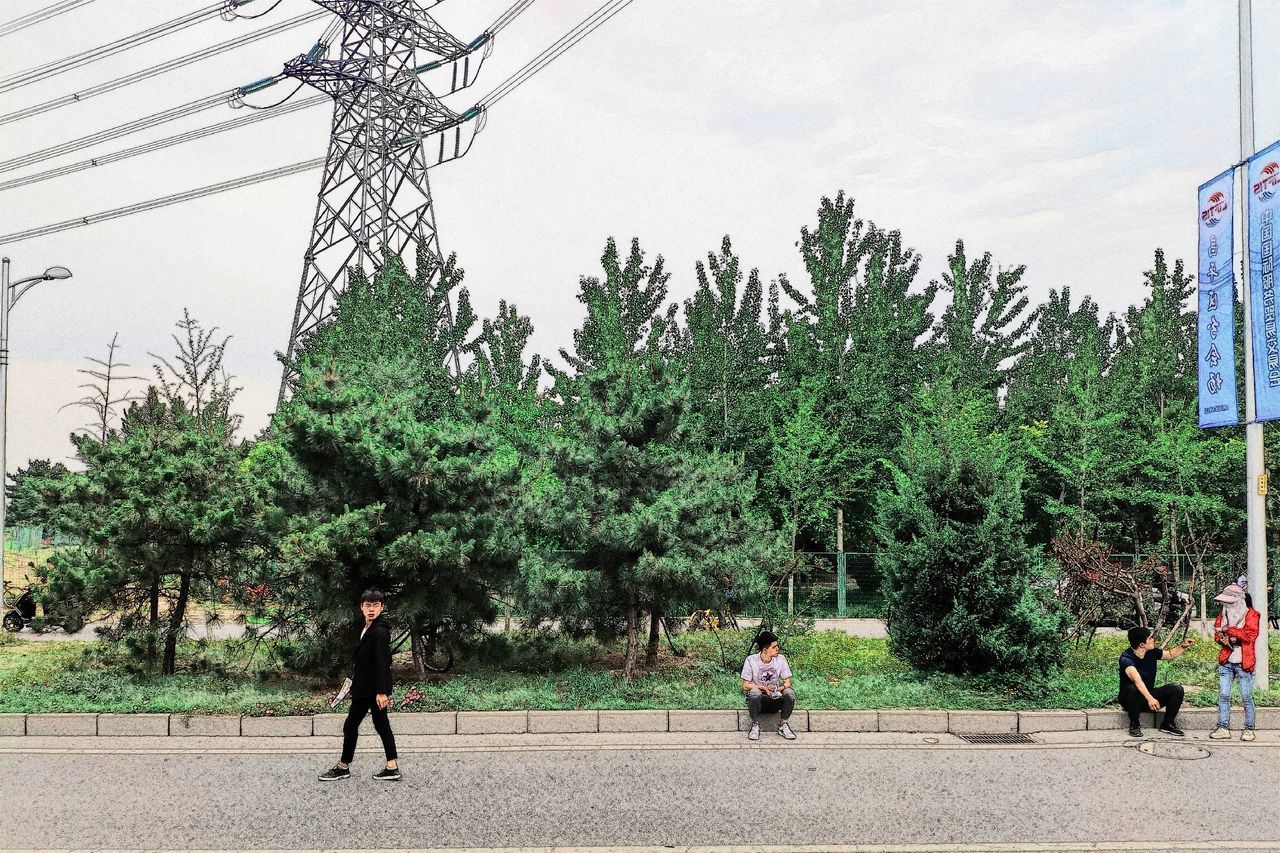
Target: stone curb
x,y
493,722
187,725
844,721
633,721
1030,722
62,725
703,721
133,725
275,727
584,722
982,722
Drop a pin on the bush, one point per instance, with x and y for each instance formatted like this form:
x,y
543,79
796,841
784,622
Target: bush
x,y
957,570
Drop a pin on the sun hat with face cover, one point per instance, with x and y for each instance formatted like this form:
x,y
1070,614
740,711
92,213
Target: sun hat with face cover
x,y
1230,594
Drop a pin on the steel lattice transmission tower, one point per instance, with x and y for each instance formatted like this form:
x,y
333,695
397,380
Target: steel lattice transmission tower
x,y
388,130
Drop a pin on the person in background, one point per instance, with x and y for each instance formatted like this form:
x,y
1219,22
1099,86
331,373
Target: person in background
x,y
1138,691
766,678
1235,631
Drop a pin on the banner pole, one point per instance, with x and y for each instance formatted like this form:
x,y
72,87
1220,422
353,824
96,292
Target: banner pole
x,y
1255,478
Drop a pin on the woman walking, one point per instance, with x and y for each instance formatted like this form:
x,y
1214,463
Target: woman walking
x,y
370,692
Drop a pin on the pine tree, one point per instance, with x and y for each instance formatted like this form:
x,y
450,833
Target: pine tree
x,y
957,571
407,487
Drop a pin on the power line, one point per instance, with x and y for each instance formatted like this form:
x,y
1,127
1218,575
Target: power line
x,y
40,16
144,123
159,144
155,70
557,48
85,57
164,201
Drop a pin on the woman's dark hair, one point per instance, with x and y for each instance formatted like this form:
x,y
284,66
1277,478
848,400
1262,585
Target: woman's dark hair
x,y
371,595
1248,601
765,639
1138,636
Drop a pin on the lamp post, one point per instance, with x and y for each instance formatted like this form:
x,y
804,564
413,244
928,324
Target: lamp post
x,y
10,293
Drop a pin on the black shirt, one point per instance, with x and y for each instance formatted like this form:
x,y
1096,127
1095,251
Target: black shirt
x,y
1146,666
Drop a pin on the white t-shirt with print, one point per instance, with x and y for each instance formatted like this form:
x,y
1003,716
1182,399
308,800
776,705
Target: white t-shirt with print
x,y
770,675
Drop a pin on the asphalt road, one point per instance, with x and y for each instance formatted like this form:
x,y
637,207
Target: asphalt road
x,y
631,790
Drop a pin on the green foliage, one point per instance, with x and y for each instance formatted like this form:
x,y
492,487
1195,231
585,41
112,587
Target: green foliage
x,y
25,493
957,571
163,507
392,480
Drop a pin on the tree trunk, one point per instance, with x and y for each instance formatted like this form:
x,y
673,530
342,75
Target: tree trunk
x,y
169,664
419,653
155,602
651,653
633,636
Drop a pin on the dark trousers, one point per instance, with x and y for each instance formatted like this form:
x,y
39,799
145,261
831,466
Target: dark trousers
x,y
1168,695
758,703
361,705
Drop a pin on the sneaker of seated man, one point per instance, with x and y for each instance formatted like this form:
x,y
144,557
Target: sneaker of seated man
x,y
766,679
1138,691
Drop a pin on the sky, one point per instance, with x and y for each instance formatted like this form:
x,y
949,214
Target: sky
x,y
1069,137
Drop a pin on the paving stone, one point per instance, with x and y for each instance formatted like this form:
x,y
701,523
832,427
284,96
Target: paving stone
x,y
1052,721
195,725
275,727
844,721
553,722
13,725
493,722
703,721
770,722
62,724
633,721
418,723
133,725
913,721
982,722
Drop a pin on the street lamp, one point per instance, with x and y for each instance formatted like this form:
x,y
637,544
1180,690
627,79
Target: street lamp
x,y
10,293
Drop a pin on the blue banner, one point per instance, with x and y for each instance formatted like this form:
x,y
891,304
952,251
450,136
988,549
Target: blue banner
x,y
1262,182
1217,299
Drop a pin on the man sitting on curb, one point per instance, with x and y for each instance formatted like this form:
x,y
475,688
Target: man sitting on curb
x,y
1138,691
766,678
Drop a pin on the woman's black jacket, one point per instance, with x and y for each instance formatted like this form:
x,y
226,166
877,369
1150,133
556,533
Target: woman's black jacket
x,y
372,672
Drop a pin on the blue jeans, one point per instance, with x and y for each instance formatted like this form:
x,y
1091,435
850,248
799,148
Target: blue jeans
x,y
1228,672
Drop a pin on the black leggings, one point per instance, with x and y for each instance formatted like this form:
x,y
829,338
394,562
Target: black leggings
x,y
1168,695
361,705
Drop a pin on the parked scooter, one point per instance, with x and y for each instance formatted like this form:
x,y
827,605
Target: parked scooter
x,y
23,610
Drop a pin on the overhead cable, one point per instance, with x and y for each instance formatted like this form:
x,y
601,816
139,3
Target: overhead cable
x,y
160,144
164,201
557,48
40,16
84,57
508,16
163,67
144,123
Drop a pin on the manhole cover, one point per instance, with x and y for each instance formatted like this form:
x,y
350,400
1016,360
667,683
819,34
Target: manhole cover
x,y
996,738
1166,749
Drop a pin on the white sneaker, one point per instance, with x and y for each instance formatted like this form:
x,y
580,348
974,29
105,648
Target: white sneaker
x,y
1220,734
1247,734
754,734
785,730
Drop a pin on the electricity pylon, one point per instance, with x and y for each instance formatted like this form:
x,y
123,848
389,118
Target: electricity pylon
x,y
388,130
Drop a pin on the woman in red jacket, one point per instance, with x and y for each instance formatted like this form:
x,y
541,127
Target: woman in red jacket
x,y
1235,630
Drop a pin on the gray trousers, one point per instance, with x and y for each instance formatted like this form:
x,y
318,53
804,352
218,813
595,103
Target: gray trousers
x,y
758,703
